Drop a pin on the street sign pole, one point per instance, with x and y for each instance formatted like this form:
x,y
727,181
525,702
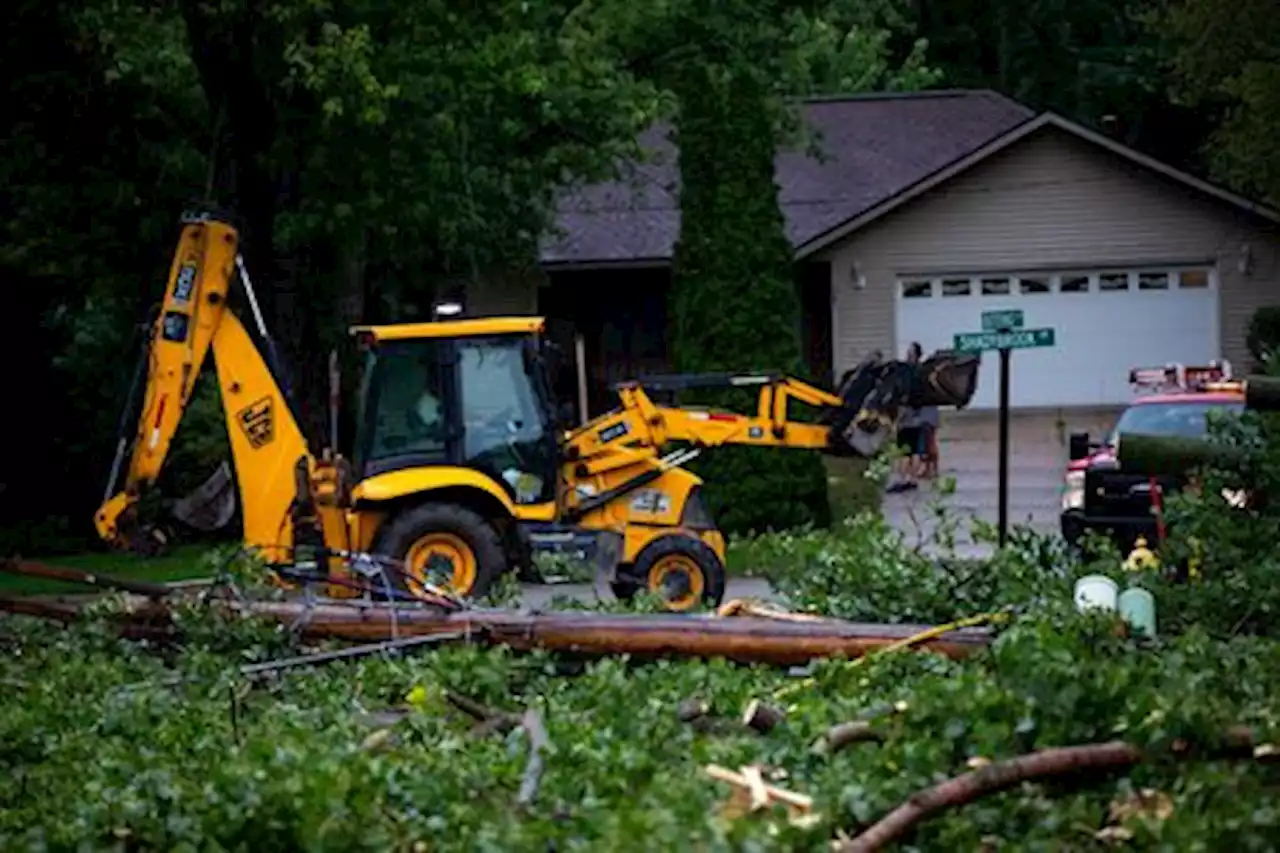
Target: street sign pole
x,y
1004,331
1003,498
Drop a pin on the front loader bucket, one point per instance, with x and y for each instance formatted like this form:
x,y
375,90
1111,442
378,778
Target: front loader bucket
x,y
211,505
948,378
876,392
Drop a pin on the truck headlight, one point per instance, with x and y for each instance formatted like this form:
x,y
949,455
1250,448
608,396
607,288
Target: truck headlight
x,y
1073,491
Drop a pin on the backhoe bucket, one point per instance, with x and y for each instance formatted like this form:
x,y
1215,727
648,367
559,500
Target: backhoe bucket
x,y
211,505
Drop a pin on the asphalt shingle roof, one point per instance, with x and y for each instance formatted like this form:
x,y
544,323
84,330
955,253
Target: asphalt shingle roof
x,y
875,147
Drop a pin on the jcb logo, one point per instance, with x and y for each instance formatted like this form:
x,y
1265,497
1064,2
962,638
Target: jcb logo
x,y
258,422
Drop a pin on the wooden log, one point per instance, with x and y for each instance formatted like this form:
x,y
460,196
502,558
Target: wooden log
x,y
1159,456
744,639
31,569
23,606
761,717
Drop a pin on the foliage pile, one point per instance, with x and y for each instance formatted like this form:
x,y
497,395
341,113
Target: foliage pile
x,y
99,752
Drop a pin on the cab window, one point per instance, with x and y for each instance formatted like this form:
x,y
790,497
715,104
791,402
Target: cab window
x,y
1188,419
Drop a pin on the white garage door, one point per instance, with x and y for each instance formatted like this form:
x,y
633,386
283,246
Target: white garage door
x,y
1105,322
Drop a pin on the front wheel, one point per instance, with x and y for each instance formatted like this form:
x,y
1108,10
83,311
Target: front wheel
x,y
445,545
682,570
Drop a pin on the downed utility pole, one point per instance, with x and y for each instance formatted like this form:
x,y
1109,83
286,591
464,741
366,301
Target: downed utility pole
x,y
762,638
744,639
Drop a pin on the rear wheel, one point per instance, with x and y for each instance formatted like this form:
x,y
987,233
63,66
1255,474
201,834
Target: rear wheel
x,y
445,545
682,570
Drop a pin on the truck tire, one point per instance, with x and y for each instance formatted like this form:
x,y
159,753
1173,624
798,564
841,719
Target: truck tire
x,y
446,544
681,569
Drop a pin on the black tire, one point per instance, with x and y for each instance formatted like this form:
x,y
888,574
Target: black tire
x,y
690,552
409,526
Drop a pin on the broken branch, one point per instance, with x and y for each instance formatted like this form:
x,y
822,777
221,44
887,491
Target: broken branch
x,y
839,736
763,718
989,779
488,720
998,776
539,741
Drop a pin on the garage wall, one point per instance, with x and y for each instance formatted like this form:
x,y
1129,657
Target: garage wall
x,y
1050,201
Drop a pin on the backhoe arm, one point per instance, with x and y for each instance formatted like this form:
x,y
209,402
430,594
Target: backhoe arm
x,y
266,443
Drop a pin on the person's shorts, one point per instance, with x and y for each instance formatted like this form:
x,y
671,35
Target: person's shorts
x,y
911,439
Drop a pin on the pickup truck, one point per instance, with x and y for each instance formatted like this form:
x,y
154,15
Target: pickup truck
x,y
1169,401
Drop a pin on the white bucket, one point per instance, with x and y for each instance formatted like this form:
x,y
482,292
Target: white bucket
x,y
1096,591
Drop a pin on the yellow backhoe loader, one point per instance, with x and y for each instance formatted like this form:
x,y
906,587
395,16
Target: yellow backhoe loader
x,y
460,470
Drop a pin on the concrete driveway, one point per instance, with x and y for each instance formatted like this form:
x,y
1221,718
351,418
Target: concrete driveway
x,y
969,445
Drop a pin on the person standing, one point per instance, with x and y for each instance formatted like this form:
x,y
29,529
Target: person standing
x,y
910,435
930,420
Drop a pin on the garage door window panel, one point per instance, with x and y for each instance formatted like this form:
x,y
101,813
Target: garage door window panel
x,y
1033,285
1193,278
1109,282
1153,281
995,286
1074,284
956,287
916,289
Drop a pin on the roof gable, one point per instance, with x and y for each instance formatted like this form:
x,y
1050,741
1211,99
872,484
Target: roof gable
x,y
874,149
1016,134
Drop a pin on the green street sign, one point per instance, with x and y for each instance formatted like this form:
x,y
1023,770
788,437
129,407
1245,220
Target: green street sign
x,y
999,321
1021,339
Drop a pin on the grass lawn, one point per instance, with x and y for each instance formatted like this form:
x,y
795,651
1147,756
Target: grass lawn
x,y
180,564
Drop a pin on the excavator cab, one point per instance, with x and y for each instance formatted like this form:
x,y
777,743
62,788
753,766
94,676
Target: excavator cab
x,y
468,393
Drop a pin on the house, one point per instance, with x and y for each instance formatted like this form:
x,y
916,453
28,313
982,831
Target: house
x,y
928,210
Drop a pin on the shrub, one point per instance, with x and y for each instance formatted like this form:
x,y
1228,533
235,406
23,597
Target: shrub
x,y
733,296
1263,335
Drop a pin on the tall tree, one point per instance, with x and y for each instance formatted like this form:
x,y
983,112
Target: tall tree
x,y
370,150
734,67
1225,60
1092,61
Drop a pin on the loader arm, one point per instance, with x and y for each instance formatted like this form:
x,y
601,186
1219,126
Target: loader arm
x,y
267,446
857,420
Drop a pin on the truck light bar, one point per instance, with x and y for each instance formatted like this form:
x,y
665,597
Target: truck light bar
x,y
1179,377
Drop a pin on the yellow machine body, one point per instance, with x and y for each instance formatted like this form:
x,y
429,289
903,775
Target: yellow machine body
x,y
455,486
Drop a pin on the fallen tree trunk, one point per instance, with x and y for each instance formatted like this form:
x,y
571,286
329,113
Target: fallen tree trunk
x,y
1045,764
744,639
27,568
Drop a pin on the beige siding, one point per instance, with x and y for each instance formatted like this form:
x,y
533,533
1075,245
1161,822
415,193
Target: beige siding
x,y
1051,200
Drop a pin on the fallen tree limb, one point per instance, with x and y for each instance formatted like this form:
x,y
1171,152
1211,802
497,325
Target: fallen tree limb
x,y
27,568
539,741
488,720
1001,775
802,802
839,736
